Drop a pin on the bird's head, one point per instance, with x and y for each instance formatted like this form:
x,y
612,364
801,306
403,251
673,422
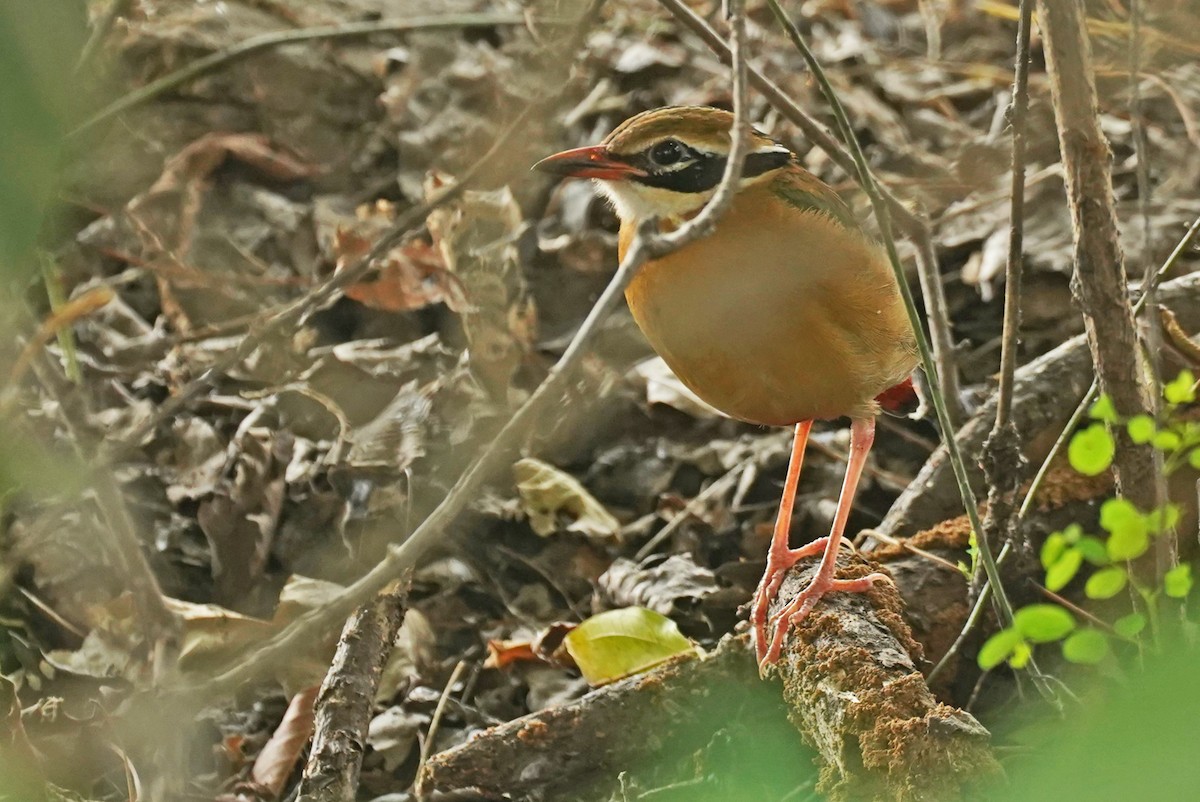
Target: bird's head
x,y
666,163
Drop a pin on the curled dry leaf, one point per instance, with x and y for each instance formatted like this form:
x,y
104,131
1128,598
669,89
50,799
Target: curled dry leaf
x,y
545,647
410,276
548,493
668,586
477,236
275,762
664,387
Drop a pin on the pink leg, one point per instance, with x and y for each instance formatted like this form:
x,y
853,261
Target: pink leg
x,y
780,558
862,435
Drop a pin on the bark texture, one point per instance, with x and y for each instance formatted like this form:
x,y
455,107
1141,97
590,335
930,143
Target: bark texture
x,y
345,704
853,688
1099,280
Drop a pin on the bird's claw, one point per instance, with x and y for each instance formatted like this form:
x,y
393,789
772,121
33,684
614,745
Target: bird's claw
x,y
799,608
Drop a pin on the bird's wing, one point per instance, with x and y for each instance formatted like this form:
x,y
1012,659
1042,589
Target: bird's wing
x,y
805,192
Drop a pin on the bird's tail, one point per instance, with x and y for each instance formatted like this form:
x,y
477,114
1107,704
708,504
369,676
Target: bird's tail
x,y
904,400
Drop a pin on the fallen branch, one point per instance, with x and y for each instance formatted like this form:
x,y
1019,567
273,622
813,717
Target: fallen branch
x,y
853,689
1044,395
345,704
566,746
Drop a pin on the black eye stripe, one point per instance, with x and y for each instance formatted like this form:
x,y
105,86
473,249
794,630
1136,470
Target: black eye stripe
x,y
705,171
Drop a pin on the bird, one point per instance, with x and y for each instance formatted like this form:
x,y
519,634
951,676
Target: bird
x,y
788,312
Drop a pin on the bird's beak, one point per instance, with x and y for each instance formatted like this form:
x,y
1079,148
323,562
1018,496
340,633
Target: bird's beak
x,y
591,162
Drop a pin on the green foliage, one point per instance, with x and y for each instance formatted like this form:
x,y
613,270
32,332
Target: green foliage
x,y
1129,533
1091,450
973,555
1087,646
617,643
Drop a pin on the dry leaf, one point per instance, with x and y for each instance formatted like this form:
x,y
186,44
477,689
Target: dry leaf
x,y
548,493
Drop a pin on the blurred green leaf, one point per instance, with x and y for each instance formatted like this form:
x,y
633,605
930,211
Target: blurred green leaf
x,y
1043,623
1064,569
1106,583
1103,409
617,643
1091,450
1129,536
1194,458
997,648
1180,390
1177,583
1053,549
1166,441
1130,625
38,92
1021,654
1141,429
1093,550
1088,646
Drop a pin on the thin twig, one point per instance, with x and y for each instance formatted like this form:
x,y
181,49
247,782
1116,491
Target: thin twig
x,y
255,44
1002,450
985,595
914,226
1166,549
436,721
648,243
100,31
719,485
1013,268
910,548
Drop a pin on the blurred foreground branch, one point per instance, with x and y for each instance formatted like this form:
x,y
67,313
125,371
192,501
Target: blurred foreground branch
x,y
647,244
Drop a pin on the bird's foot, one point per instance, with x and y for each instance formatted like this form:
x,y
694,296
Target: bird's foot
x,y
778,564
802,605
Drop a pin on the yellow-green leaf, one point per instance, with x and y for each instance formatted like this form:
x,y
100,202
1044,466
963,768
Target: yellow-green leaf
x,y
618,643
1106,583
1091,450
1181,389
1129,535
1087,646
1043,623
1103,409
1177,583
1064,569
1141,429
1130,625
997,648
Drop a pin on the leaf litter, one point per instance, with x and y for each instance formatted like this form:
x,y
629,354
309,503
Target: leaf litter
x,y
289,474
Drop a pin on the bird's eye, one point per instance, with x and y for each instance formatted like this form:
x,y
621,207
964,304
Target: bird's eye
x,y
667,152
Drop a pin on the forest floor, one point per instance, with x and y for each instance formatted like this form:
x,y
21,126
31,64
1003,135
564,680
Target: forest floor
x,y
229,474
